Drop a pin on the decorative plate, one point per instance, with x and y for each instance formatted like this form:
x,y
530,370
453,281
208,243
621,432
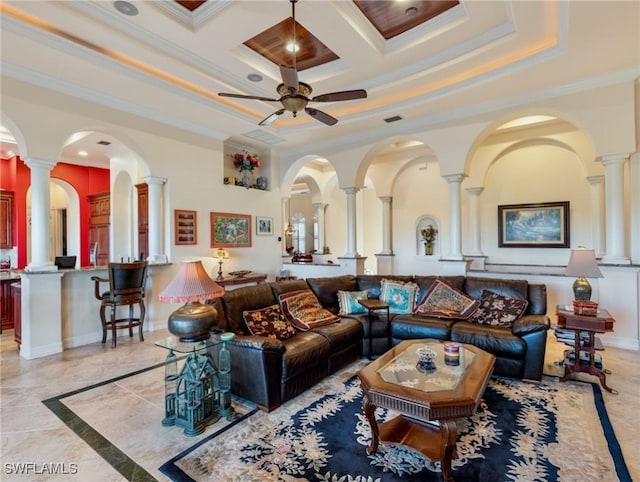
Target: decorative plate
x,y
240,273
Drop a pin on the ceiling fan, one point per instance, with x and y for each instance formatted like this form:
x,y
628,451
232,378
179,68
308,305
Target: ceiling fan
x,y
294,95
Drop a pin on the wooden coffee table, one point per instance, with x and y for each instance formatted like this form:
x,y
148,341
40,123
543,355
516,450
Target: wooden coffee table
x,y
396,381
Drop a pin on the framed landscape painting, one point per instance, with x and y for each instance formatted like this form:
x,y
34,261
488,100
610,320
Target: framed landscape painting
x,y
542,225
230,230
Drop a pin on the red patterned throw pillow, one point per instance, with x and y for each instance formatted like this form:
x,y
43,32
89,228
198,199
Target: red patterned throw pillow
x,y
269,322
444,301
303,310
498,310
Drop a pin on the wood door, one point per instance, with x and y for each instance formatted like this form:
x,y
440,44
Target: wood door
x,y
6,219
143,219
99,225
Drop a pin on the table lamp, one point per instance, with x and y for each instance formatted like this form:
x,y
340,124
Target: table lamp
x,y
583,264
221,255
193,321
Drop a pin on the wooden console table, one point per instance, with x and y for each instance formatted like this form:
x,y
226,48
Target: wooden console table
x,y
249,278
584,328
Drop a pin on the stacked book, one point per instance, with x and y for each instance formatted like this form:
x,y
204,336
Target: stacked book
x,y
584,358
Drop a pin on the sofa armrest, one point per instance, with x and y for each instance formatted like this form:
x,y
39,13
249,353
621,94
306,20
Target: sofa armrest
x,y
530,323
256,369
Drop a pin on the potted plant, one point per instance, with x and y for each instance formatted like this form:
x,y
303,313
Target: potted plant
x,y
429,235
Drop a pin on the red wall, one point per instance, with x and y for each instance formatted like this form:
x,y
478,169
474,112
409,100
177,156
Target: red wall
x,y
85,180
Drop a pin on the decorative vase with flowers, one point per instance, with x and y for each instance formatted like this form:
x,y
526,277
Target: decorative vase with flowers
x,y
429,235
246,163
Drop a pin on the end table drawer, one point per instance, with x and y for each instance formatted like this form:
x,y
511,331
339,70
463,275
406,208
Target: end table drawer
x,y
599,325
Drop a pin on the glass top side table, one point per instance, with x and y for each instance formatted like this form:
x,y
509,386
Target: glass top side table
x,y
200,393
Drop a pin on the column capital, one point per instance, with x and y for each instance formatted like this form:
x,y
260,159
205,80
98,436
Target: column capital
x,y
44,163
351,190
319,205
154,180
385,199
614,159
474,190
453,178
593,180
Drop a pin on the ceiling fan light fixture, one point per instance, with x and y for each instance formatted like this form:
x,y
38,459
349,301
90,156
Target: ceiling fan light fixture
x,y
294,103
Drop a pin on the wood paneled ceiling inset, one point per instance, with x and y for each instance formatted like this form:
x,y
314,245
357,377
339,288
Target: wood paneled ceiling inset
x,y
390,17
191,5
272,43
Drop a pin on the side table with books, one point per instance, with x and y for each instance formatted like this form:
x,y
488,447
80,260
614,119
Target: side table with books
x,y
578,331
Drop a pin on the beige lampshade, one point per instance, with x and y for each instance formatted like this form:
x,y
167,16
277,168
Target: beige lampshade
x,y
582,263
221,254
192,283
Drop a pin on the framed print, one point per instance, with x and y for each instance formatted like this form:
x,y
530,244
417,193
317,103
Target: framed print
x,y
264,226
230,230
542,225
185,226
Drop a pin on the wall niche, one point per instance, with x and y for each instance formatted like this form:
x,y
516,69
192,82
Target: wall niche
x,y
254,178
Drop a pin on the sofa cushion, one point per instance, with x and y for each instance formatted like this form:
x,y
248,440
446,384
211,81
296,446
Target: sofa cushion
x,y
425,282
285,286
373,283
498,310
410,327
304,311
445,301
515,288
400,296
302,353
340,335
348,302
269,322
493,339
245,298
326,289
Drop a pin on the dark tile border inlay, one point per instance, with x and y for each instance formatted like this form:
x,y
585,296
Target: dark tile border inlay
x,y
109,452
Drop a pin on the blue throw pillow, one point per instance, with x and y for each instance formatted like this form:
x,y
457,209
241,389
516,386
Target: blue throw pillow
x,y
401,297
348,302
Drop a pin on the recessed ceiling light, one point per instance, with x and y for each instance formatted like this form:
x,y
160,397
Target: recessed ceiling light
x,y
411,11
291,46
125,8
254,77
83,153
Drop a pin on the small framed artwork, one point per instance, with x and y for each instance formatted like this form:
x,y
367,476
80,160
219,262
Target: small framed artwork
x,y
230,230
542,225
264,226
185,226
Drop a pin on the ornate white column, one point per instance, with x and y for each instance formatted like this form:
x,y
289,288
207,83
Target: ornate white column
x,y
155,217
614,193
474,220
320,215
40,207
598,220
455,222
351,222
386,225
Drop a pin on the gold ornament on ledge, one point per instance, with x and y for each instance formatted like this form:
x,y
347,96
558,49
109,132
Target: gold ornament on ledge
x,y
429,235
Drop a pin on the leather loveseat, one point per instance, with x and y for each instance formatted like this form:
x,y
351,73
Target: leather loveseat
x,y
270,372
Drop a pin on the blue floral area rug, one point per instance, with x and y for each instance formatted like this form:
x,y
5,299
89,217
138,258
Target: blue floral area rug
x,y
520,432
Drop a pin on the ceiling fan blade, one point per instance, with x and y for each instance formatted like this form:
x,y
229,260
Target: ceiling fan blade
x,y
268,120
253,97
290,78
321,116
344,95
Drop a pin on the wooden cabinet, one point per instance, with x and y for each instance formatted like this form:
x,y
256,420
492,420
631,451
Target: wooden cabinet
x,y
143,219
6,219
16,296
99,211
6,303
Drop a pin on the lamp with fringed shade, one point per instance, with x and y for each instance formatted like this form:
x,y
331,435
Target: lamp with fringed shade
x,y
192,285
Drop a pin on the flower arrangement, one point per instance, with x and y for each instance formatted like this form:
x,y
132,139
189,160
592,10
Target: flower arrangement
x,y
245,161
429,234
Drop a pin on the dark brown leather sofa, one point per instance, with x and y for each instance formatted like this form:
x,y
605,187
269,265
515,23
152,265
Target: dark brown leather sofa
x,y
270,372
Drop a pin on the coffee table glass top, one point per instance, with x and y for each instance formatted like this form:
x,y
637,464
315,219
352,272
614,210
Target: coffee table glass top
x,y
174,343
405,369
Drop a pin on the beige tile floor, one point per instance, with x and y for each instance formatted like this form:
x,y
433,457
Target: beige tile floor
x,y
32,433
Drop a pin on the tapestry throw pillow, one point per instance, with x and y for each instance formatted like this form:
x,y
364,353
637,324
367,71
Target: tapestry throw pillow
x,y
498,310
269,322
444,301
400,296
303,310
348,302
